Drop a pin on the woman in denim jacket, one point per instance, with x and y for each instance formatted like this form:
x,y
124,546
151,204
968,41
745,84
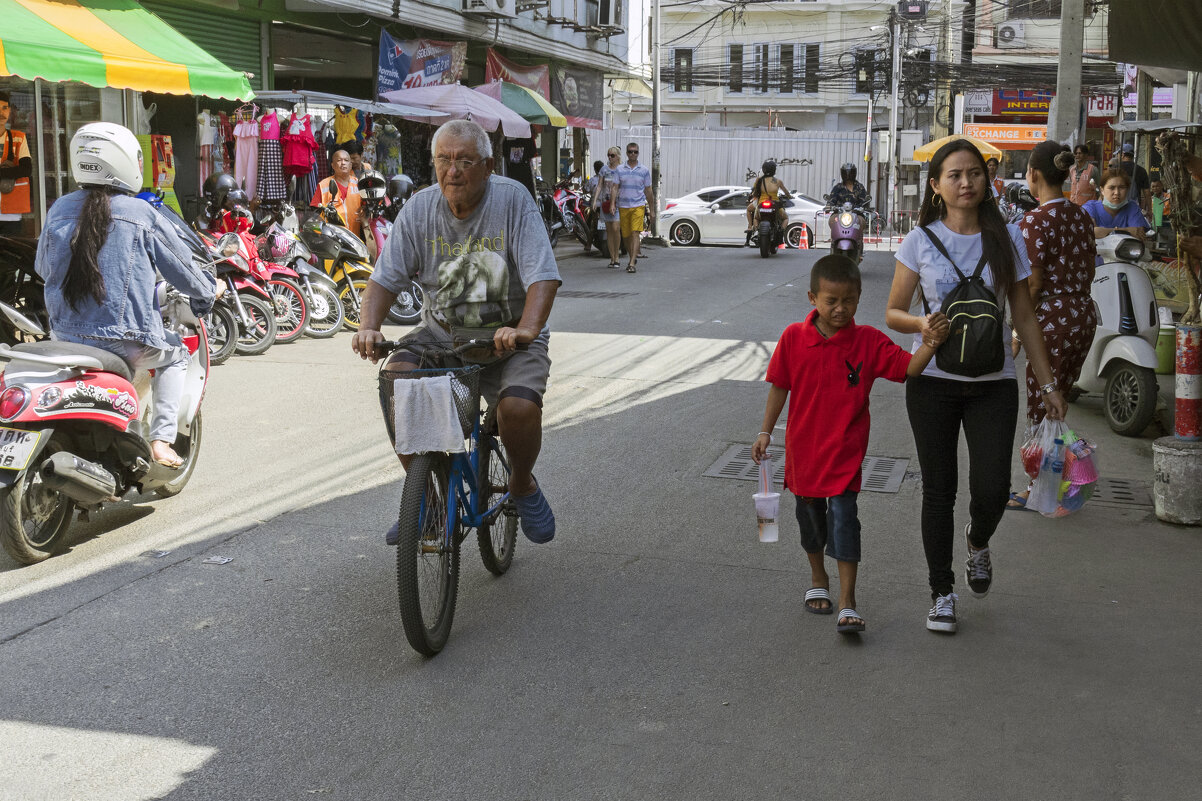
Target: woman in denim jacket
x,y
100,254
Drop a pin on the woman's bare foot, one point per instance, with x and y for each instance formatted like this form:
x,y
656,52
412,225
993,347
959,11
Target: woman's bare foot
x,y
164,454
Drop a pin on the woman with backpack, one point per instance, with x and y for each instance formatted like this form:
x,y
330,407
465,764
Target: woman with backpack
x,y
965,261
1061,246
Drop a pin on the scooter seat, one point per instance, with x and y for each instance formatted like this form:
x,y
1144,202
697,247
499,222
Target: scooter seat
x,y
112,362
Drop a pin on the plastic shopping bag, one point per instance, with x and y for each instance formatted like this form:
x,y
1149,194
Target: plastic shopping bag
x,y
767,504
1066,472
1046,444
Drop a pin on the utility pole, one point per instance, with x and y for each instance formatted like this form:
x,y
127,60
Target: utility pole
x,y
656,91
1068,76
890,188
943,92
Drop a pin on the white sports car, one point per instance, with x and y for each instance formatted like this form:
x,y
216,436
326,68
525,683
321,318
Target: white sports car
x,y
717,215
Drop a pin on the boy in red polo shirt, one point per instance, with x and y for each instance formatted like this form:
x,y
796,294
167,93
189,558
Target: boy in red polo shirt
x,y
825,367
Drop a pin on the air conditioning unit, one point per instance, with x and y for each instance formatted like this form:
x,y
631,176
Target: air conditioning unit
x,y
1010,34
609,14
497,9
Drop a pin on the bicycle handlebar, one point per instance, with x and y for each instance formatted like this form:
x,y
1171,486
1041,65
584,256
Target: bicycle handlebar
x,y
389,345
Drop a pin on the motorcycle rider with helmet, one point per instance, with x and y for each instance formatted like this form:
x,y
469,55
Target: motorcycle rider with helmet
x,y
100,254
216,191
767,187
849,190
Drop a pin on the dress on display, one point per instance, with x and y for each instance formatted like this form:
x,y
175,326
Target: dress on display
x,y
346,123
388,150
246,154
206,132
271,184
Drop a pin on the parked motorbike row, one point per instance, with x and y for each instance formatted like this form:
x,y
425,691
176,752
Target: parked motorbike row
x,y
285,279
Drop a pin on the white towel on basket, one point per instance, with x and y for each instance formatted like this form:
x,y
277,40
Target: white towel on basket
x,y
425,416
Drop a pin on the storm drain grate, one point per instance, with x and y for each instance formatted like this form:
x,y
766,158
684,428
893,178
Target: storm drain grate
x,y
881,473
1122,492
580,293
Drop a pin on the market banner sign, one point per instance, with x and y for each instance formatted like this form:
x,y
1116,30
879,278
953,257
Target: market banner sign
x,y
1008,137
499,68
1022,102
410,63
978,101
1105,107
578,94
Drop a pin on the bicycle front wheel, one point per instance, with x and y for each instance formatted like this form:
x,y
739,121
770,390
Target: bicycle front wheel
x,y
427,563
497,536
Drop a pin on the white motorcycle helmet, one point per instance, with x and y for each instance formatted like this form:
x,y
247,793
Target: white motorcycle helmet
x,y
106,154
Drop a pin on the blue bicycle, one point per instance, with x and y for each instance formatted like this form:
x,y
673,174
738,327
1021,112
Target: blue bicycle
x,y
444,496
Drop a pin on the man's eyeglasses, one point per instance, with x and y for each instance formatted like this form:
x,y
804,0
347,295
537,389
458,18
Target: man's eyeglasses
x,y
463,165
635,152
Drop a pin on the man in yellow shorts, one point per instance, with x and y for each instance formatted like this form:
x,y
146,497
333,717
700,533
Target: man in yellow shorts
x,y
634,198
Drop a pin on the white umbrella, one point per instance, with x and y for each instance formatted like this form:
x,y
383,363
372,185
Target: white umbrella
x,y
456,102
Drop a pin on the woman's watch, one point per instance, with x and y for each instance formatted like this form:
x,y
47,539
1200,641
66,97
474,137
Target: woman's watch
x,y
1048,388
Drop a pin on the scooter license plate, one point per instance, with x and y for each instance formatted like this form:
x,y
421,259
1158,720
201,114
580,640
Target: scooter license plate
x,y
16,446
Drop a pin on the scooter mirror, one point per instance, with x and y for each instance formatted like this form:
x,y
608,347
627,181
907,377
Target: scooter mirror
x,y
21,321
227,245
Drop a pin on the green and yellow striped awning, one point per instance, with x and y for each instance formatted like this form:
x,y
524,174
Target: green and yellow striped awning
x,y
108,43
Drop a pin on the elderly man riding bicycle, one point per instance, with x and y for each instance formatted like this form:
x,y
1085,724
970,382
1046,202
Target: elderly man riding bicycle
x,y
477,245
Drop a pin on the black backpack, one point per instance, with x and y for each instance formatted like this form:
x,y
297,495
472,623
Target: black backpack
x,y
974,345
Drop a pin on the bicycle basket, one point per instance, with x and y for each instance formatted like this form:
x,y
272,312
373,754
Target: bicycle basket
x,y
465,385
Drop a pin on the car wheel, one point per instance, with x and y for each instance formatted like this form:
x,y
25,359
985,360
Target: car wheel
x,y
685,233
795,233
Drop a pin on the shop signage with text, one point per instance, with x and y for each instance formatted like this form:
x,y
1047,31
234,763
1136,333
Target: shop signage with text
x,y
1021,102
408,64
1103,106
1008,137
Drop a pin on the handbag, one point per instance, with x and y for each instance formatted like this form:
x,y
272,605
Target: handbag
x,y
8,184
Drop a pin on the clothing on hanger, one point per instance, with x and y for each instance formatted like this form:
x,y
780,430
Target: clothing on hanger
x,y
346,123
246,154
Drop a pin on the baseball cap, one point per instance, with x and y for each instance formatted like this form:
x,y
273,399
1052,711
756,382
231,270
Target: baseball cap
x,y
1128,147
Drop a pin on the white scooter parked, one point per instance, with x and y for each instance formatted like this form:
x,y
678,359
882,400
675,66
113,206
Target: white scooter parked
x,y
1121,363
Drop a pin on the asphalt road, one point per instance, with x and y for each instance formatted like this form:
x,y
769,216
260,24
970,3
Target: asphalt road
x,y
654,650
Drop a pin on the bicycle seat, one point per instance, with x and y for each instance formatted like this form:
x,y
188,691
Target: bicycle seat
x,y
111,362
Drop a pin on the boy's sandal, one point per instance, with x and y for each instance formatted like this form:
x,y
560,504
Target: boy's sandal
x,y
613,264
819,594
630,268
856,625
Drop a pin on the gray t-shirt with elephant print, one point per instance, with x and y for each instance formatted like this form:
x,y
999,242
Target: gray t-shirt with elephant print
x,y
474,272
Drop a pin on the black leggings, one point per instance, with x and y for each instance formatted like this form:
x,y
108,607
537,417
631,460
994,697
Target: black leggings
x,y
988,411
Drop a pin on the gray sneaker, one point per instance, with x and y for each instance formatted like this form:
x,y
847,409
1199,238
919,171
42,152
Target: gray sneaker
x,y
978,570
942,616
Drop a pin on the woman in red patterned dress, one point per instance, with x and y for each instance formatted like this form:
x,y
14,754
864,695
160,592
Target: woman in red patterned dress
x,y
1060,243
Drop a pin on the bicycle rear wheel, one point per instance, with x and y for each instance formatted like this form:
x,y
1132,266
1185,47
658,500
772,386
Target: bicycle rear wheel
x,y
498,536
427,565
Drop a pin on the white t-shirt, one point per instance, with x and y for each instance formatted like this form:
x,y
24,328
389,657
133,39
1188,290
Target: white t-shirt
x,y
936,277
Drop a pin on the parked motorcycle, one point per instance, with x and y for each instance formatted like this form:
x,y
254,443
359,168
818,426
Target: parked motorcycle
x,y
76,430
1016,202
326,316
573,210
21,287
552,217
407,309
1121,363
252,303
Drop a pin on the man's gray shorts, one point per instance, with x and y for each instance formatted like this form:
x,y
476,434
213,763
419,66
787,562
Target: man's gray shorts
x,y
522,374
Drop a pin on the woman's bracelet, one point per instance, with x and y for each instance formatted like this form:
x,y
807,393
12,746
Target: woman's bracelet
x,y
1048,388
765,434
